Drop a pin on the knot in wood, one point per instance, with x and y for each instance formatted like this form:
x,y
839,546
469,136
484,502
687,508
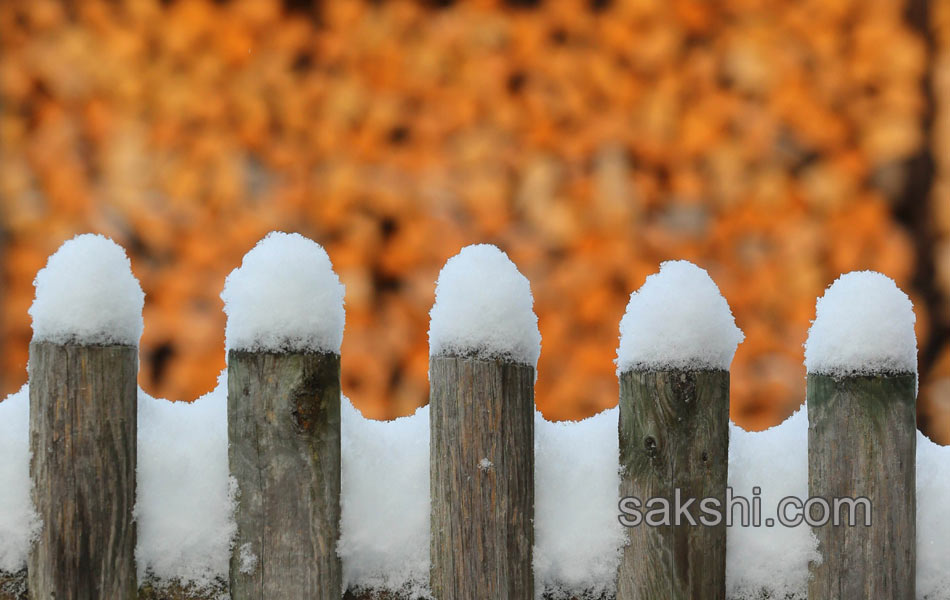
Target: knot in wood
x,y
305,412
650,444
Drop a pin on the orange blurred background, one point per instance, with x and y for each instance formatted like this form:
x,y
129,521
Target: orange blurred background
x,y
776,144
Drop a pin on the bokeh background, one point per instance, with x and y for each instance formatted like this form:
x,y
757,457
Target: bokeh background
x,y
775,143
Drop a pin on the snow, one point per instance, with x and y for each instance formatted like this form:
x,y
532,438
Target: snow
x,y
384,540
773,559
933,527
678,319
86,294
184,502
247,558
863,324
483,307
19,522
285,296
578,539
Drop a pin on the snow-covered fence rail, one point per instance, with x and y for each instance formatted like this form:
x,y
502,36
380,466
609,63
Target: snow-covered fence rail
x,y
274,486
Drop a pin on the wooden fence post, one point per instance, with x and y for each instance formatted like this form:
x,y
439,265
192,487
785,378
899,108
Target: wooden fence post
x,y
674,435
87,320
862,442
862,439
284,330
484,343
284,431
83,402
482,478
677,340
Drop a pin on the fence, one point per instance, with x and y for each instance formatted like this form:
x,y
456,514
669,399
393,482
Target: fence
x,y
284,415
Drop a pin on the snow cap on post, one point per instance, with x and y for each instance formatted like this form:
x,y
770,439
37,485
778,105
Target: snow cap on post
x,y
864,324
483,307
86,294
285,297
678,319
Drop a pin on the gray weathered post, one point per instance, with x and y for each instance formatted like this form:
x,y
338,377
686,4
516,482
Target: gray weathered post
x,y
482,478
284,452
677,341
87,319
484,343
862,442
284,331
674,435
862,439
83,404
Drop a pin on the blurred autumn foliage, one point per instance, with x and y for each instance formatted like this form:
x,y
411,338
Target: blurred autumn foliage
x,y
769,142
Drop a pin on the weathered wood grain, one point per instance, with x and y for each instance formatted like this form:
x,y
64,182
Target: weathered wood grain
x,y
284,452
674,434
481,479
862,441
83,403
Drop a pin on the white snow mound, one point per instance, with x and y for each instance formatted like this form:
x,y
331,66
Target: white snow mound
x,y
933,527
86,294
769,562
285,297
863,324
578,538
384,539
678,319
185,500
483,307
19,523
